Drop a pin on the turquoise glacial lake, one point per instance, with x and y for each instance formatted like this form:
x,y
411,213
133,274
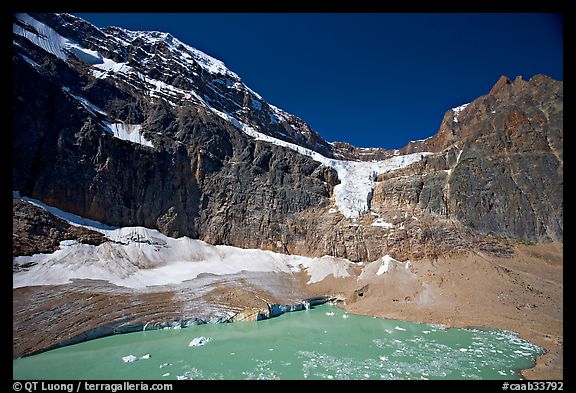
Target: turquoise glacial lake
x,y
324,342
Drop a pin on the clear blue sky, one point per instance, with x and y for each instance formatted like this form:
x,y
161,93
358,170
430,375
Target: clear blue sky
x,y
373,80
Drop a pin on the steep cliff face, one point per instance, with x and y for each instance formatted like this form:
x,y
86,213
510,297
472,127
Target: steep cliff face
x,y
502,157
138,128
35,231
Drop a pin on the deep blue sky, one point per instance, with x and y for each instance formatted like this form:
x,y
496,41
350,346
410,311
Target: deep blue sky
x,y
373,80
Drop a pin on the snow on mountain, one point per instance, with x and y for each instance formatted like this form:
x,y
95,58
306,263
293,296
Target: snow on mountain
x,y
128,132
160,66
357,178
457,111
137,257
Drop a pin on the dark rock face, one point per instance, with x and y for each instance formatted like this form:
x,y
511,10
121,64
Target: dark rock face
x,y
497,171
34,231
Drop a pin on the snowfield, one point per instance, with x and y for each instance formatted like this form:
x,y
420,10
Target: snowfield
x,y
137,257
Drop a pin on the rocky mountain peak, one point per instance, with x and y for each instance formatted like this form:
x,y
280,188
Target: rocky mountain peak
x,y
502,81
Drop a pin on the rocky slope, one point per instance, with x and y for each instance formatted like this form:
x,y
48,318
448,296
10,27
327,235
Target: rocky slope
x,y
35,231
137,128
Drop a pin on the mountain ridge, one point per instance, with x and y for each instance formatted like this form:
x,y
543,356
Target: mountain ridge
x,y
145,196
245,191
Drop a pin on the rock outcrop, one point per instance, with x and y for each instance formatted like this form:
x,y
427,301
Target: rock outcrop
x,y
35,231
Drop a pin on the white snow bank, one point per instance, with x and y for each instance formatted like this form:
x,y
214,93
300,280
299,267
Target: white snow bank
x,y
138,257
378,222
85,103
457,111
128,132
47,38
86,55
72,219
109,66
381,266
52,42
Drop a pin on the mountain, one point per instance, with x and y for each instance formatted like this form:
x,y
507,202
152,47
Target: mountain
x,y
133,151
138,128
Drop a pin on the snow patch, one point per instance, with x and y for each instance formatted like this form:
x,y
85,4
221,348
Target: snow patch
x,y
457,111
128,132
379,223
384,267
109,66
86,55
52,42
29,61
47,38
422,140
85,103
137,257
458,158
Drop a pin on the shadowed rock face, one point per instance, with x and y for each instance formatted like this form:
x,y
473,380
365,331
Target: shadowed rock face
x,y
35,231
497,171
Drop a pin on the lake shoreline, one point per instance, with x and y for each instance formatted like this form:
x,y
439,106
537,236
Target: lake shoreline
x,y
522,294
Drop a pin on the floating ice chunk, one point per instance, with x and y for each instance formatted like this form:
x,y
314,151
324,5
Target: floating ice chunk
x,y
199,341
129,359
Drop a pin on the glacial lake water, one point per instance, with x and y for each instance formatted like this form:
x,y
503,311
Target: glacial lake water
x,y
324,342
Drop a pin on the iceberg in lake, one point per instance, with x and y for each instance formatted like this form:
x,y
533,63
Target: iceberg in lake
x,y
199,341
129,358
